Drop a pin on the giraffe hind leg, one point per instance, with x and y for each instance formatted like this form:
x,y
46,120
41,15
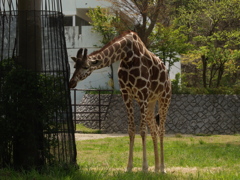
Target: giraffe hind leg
x,y
151,122
163,109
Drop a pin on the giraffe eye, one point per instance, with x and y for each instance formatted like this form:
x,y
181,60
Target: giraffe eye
x,y
95,62
86,67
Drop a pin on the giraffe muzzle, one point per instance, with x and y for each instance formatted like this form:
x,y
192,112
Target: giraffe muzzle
x,y
72,84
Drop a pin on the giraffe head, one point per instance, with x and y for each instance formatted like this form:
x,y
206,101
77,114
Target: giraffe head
x,y
84,66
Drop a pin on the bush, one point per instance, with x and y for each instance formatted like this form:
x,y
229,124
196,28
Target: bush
x,y
30,103
179,87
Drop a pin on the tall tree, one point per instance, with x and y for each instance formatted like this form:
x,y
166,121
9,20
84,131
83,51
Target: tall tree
x,y
150,19
139,15
27,145
168,43
30,39
104,22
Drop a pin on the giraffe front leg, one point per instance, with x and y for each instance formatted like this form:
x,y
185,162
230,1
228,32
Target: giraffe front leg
x,y
144,138
130,156
154,133
162,166
131,131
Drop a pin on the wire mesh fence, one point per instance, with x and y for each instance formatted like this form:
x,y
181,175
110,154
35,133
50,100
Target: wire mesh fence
x,y
91,113
36,126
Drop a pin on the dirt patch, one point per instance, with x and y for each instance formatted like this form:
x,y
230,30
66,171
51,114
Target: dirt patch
x,y
81,137
171,170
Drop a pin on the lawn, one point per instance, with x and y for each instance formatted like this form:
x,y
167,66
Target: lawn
x,y
83,129
197,157
186,157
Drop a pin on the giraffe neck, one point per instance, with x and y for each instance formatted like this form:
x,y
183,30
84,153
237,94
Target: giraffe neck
x,y
122,49
108,55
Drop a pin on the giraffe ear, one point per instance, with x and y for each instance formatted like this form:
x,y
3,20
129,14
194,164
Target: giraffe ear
x,y
74,59
79,53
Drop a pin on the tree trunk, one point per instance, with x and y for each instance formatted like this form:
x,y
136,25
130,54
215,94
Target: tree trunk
x,y
28,144
212,74
220,73
204,74
29,33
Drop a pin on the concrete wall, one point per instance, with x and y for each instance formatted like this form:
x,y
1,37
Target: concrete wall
x,y
188,114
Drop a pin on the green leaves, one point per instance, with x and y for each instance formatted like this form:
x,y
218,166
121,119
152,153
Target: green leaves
x,y
104,23
32,107
213,29
169,43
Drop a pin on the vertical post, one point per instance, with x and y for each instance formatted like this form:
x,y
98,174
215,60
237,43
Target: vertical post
x,y
75,108
99,109
74,20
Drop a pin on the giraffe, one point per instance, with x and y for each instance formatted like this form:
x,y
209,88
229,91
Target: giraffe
x,y
143,77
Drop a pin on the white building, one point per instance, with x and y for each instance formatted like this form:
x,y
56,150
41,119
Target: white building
x,y
79,34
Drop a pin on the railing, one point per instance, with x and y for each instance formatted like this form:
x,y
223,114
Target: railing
x,y
99,104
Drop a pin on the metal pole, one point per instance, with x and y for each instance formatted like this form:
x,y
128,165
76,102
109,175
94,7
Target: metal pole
x,y
75,108
99,109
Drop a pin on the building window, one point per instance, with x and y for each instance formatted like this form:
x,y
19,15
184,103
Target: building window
x,y
81,22
68,21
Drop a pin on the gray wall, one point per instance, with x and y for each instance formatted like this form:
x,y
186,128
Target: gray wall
x,y
188,114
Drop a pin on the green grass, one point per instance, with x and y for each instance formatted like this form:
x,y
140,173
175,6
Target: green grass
x,y
186,157
83,129
102,91
202,152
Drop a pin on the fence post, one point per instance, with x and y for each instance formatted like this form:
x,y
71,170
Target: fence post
x,y
75,108
99,109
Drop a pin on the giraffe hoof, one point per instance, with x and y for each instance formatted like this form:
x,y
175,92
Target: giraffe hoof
x,y
145,169
164,172
128,169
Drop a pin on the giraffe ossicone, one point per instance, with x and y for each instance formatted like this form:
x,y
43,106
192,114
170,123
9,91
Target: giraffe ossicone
x,y
143,77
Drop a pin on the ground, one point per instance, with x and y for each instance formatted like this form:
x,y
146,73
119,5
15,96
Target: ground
x,y
80,136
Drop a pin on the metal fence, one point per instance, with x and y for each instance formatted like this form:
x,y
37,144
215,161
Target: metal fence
x,y
36,125
81,110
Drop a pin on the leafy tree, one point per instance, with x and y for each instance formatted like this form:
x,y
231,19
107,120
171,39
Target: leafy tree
x,y
104,22
140,16
168,43
213,28
165,41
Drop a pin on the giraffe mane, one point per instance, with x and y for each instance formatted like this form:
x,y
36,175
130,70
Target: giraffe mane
x,y
113,41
